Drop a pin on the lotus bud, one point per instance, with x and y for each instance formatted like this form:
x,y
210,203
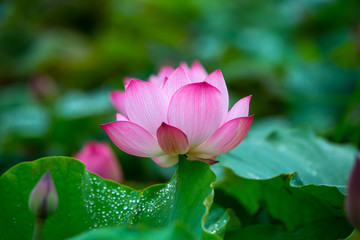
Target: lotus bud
x,y
100,159
352,205
43,198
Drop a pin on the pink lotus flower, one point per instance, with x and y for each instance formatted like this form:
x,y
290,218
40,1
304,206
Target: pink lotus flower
x,y
100,159
181,111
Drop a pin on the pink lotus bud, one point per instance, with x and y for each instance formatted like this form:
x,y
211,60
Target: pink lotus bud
x,y
352,205
181,111
43,199
100,159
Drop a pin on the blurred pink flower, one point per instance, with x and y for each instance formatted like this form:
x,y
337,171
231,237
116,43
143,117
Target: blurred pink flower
x,y
181,111
352,204
100,159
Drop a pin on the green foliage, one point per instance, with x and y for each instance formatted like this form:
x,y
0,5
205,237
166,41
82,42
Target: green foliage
x,y
171,232
290,210
321,230
87,201
265,199
310,196
288,150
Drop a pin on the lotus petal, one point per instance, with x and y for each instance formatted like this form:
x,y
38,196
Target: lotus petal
x,y
133,139
196,110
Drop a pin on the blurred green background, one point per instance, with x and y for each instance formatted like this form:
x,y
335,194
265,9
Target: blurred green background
x,y
60,58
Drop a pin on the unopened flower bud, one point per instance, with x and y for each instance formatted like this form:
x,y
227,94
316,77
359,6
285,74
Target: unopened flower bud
x,y
43,199
352,204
